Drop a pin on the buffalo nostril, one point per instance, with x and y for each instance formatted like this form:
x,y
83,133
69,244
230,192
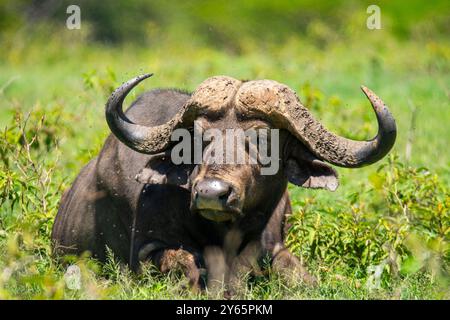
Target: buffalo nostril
x,y
225,195
212,190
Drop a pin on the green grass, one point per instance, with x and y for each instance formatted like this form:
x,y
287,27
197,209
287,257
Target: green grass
x,y
393,215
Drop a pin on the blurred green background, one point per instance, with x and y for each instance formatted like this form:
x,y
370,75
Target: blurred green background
x,y
396,210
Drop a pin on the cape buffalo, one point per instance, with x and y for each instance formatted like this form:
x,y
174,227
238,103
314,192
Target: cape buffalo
x,y
208,216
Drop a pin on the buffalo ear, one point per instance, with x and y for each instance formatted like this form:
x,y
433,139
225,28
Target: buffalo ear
x,y
161,170
305,170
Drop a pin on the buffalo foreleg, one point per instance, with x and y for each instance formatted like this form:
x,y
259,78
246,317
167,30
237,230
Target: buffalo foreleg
x,y
290,268
180,260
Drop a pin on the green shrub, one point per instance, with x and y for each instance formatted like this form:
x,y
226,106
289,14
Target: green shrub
x,y
399,223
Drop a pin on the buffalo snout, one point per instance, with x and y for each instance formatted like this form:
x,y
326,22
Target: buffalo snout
x,y
215,199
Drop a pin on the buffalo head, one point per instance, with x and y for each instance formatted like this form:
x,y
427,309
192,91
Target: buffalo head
x,y
224,192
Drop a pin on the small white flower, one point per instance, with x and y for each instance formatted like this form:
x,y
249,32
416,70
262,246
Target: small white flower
x,y
375,272
6,274
72,277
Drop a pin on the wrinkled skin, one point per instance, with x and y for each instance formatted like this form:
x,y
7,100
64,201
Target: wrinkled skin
x,y
117,202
